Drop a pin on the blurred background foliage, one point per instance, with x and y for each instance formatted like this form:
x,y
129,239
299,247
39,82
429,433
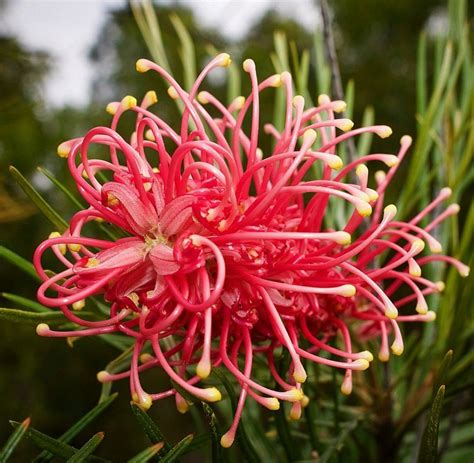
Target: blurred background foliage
x,y
376,43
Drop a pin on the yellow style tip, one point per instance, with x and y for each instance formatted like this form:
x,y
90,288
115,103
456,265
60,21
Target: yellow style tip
x,y
212,394
42,329
64,149
384,131
142,65
224,60
227,440
128,102
397,348
203,369
347,290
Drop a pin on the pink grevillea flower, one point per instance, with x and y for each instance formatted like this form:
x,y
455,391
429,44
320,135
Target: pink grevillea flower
x,y
228,252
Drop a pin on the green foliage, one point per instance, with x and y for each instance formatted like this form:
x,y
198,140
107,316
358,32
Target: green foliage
x,y
13,441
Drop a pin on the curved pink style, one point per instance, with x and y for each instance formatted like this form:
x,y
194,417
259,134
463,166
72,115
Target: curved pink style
x,y
226,252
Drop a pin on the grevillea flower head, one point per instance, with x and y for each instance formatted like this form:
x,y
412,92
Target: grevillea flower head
x,y
221,252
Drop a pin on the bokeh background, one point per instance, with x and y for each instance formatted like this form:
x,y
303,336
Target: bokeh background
x,y
62,61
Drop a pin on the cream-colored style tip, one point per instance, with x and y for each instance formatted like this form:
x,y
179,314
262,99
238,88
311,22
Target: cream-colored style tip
x,y
361,364
42,329
238,103
271,403
294,395
390,210
309,136
248,65
364,209
298,100
203,369
64,149
397,347
417,246
150,98
323,99
299,374
79,305
347,290
391,312
128,102
367,355
339,106
202,97
342,237
406,140
346,387
335,162
212,394
384,131
276,81
142,65
224,60
102,376
227,439
172,93
112,108
344,124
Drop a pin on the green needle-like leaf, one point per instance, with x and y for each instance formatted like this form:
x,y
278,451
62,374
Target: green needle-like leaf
x,y
38,200
217,455
61,187
19,262
177,450
30,318
55,446
443,372
429,441
150,428
147,454
13,440
87,449
76,428
25,302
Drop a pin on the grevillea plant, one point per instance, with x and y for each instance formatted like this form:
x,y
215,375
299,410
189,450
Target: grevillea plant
x,y
223,252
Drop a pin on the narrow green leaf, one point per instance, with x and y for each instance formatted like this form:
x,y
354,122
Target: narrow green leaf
x,y
38,200
421,90
177,450
443,372
25,302
77,427
187,52
54,446
14,440
211,418
365,140
60,186
30,318
87,449
19,262
150,428
429,441
147,454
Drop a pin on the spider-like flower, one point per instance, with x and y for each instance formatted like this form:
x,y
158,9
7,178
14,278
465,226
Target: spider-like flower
x,y
222,252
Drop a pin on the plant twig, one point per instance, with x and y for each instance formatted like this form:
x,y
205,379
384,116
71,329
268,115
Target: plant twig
x,y
336,81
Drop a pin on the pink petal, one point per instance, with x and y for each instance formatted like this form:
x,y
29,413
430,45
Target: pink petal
x,y
176,214
163,260
141,217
